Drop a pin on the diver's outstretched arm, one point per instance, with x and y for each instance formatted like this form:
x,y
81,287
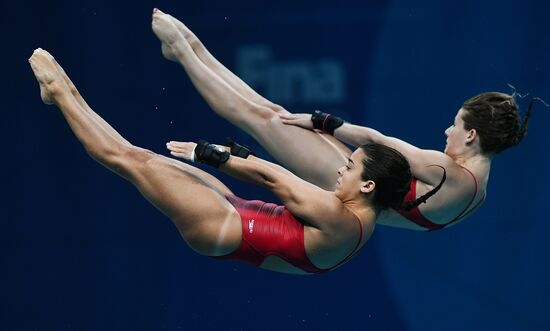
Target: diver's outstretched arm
x,y
305,200
421,160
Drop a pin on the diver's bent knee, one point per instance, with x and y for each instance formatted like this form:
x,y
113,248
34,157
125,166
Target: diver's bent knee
x,y
275,121
106,153
262,112
264,129
278,109
125,159
138,154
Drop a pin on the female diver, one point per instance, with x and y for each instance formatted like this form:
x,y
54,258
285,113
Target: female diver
x,y
484,126
314,232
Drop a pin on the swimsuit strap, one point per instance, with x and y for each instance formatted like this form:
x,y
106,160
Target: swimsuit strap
x,y
476,206
463,213
357,248
414,215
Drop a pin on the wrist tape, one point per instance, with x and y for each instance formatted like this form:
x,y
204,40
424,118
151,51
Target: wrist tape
x,y
237,149
326,122
210,154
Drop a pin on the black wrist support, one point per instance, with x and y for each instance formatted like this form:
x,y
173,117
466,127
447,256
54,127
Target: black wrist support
x,y
237,149
326,122
210,154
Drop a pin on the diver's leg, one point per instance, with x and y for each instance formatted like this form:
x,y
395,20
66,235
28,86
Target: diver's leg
x,y
310,155
80,100
192,200
220,70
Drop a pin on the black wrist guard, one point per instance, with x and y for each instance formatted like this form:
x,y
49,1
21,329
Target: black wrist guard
x,y
326,122
237,149
210,154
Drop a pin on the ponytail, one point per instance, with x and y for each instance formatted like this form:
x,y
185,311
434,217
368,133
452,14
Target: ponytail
x,y
523,128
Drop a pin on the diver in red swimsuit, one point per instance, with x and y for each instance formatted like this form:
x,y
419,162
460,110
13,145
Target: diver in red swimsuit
x,y
272,230
288,238
315,231
484,126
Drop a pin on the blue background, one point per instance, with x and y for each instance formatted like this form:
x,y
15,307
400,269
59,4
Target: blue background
x,y
82,250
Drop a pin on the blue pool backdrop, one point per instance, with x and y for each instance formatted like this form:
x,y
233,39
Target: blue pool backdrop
x,y
82,250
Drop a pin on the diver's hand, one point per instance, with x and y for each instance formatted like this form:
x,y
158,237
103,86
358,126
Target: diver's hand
x,y
301,120
183,150
186,150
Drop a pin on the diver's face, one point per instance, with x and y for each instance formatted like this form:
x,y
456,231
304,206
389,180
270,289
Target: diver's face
x,y
349,176
456,135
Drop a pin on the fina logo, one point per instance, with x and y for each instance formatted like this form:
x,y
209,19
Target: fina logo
x,y
291,82
251,225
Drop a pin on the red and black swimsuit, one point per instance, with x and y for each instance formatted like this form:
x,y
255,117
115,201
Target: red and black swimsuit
x,y
271,230
414,215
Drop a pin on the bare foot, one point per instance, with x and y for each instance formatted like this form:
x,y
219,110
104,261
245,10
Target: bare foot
x,y
50,81
72,87
184,30
167,32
